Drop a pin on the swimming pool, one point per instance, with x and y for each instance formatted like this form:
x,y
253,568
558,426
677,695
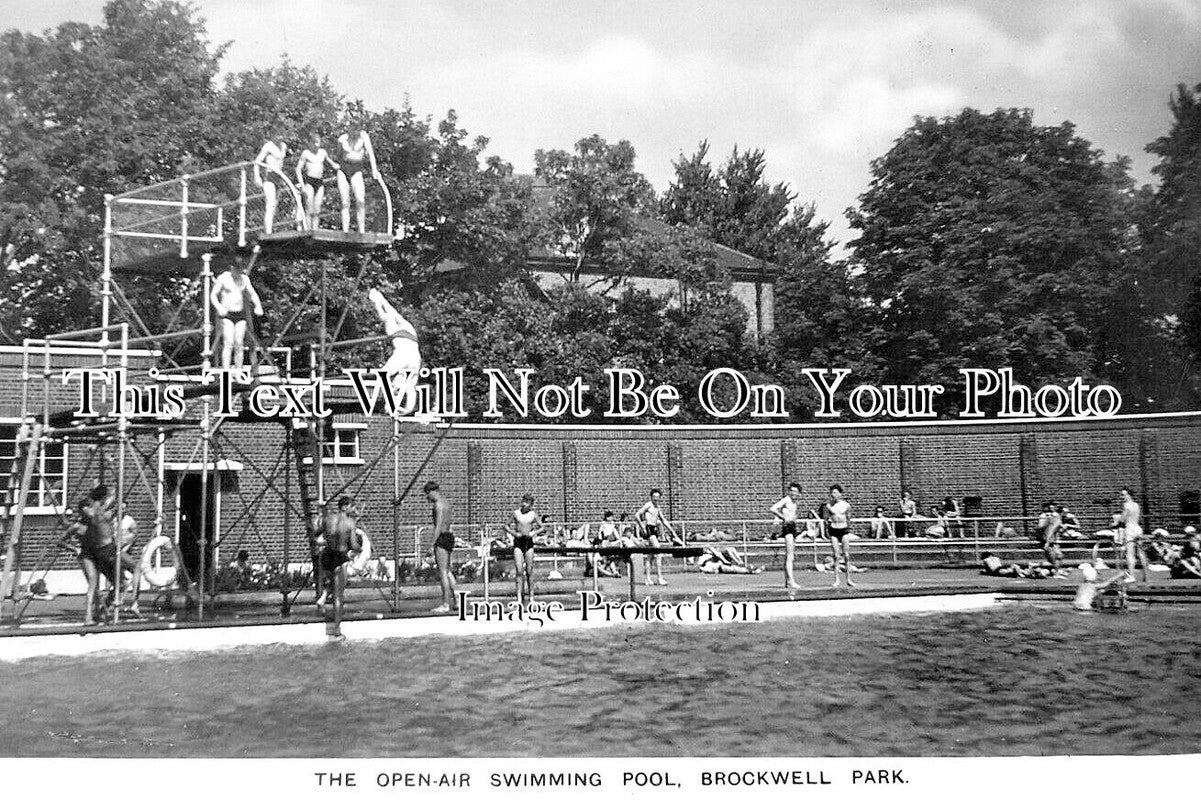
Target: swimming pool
x,y
1021,679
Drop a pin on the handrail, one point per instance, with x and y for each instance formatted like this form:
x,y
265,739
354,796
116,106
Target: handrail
x,y
192,194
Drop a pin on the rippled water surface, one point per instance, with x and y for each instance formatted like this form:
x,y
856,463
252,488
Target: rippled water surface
x,y
1016,680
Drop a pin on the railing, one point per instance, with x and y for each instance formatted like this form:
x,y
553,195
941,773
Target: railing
x,y
216,206
967,541
221,206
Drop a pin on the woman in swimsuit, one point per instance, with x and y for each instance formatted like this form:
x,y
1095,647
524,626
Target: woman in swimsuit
x,y
310,174
271,156
357,155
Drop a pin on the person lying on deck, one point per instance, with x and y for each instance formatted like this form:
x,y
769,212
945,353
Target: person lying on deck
x,y
724,560
992,565
1189,564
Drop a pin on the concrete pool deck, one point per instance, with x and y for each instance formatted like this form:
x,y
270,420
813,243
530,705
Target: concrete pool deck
x,y
891,589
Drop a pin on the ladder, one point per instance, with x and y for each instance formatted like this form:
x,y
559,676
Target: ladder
x,y
306,449
25,458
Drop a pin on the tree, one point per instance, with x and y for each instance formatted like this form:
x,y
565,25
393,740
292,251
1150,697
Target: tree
x,y
735,206
1170,277
597,195
988,241
89,111
449,205
816,300
286,102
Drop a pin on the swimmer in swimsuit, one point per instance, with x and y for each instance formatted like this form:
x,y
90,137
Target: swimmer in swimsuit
x,y
524,526
785,510
837,514
310,174
232,293
357,155
271,161
404,364
444,543
342,541
652,520
1129,529
98,551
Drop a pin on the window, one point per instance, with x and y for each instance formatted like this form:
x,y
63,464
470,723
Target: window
x,y
341,443
1190,507
48,487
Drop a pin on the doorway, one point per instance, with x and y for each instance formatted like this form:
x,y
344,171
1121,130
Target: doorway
x,y
188,504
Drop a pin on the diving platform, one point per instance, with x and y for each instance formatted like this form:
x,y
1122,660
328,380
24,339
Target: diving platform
x,y
223,212
322,240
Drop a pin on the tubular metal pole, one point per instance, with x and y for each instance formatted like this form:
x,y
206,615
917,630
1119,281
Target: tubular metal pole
x,y
26,377
395,517
106,276
183,218
318,424
46,383
485,553
206,427
161,452
242,209
122,441
285,582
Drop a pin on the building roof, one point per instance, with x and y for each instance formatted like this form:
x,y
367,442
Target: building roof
x,y
742,267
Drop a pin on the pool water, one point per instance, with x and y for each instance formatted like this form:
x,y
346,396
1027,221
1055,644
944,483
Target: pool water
x,y
1017,680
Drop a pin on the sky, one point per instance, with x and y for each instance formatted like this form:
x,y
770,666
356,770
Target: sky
x,y
822,87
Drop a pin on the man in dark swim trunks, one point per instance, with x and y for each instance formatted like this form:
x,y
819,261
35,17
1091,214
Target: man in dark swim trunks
x,y
523,525
341,540
837,515
98,551
654,522
444,543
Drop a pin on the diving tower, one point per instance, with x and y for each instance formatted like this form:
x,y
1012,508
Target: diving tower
x,y
168,240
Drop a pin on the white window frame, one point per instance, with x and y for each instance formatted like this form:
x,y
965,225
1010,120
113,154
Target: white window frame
x,y
344,434
38,490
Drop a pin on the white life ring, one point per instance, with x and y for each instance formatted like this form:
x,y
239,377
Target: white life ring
x,y
359,562
164,576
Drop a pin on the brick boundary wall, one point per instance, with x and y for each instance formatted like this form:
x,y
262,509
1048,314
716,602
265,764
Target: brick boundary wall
x,y
706,472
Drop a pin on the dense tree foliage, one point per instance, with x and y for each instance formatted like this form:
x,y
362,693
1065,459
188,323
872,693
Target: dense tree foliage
x,y
816,297
986,240
86,111
1171,273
